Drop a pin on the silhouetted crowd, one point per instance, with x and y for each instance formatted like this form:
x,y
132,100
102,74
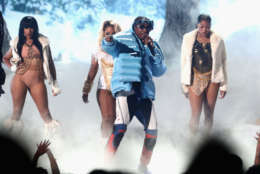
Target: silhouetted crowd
x,y
212,157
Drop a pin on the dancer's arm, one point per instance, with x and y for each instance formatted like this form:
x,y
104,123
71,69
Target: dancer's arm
x,y
7,57
257,154
223,85
89,81
184,63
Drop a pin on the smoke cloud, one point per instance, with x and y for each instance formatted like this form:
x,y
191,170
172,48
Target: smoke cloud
x,y
78,147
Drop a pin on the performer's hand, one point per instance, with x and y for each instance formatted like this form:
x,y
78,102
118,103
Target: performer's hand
x,y
185,90
85,98
186,94
109,38
222,94
53,93
148,41
257,136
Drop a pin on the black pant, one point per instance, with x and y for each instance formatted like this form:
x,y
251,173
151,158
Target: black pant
x,y
2,75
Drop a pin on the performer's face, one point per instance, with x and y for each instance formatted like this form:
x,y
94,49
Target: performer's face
x,y
204,28
28,32
109,31
142,31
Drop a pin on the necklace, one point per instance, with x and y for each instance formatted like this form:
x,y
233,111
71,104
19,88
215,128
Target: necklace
x,y
30,49
28,45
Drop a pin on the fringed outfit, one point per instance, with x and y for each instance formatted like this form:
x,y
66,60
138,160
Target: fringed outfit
x,y
201,67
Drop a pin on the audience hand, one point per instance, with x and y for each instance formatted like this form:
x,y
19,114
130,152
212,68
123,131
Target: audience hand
x,y
42,147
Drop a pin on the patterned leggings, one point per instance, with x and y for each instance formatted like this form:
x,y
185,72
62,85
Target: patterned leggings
x,y
126,108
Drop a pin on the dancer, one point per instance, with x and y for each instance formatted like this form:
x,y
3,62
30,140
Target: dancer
x,y
30,55
4,46
203,71
103,60
136,59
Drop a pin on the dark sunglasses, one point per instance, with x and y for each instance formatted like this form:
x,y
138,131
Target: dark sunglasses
x,y
142,26
144,23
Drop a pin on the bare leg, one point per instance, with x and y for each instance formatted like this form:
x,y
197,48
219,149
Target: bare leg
x,y
196,107
19,91
38,92
257,121
209,104
107,107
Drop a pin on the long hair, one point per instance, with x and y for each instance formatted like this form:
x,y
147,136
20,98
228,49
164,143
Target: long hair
x,y
28,22
1,35
105,24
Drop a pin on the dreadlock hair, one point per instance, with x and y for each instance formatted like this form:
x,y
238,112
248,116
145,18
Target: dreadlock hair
x,y
28,22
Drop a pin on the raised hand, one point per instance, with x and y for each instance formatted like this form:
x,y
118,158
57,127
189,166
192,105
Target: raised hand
x,y
109,38
42,147
148,41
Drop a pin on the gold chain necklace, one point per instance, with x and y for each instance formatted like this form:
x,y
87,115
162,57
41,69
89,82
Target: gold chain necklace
x,y
30,50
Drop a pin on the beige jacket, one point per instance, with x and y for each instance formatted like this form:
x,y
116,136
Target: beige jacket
x,y
218,51
48,64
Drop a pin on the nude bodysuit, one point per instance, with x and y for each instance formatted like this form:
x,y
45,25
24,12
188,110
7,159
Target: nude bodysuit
x,y
32,62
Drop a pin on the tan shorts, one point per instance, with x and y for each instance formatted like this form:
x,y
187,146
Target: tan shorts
x,y
200,82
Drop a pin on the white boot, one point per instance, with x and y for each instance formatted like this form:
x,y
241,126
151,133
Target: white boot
x,y
14,127
143,169
51,128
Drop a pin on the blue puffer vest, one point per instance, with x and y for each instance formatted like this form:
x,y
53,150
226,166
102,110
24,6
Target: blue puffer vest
x,y
133,62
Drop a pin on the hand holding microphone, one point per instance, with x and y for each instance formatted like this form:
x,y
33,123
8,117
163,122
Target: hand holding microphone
x,y
148,41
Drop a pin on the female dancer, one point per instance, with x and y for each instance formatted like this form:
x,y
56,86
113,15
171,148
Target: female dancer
x,y
103,60
30,57
203,71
